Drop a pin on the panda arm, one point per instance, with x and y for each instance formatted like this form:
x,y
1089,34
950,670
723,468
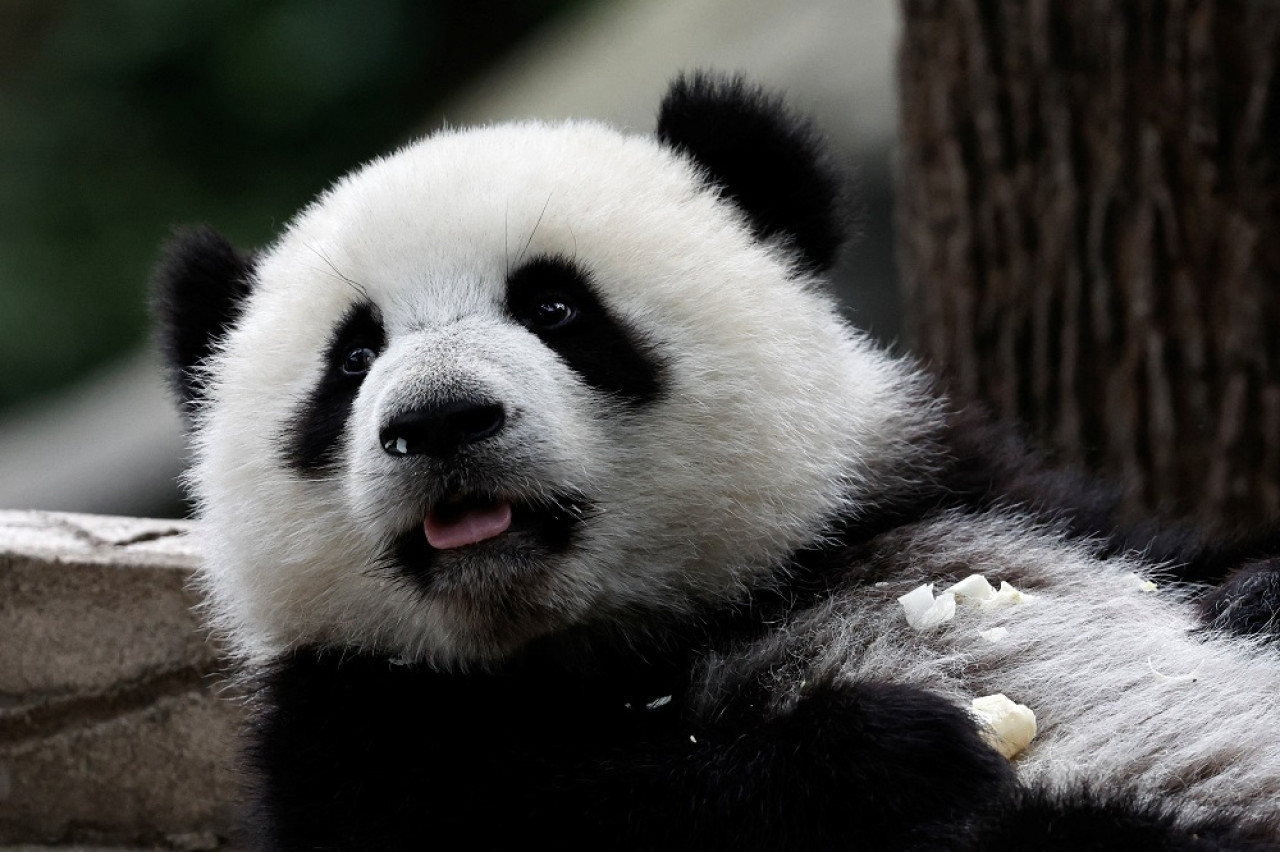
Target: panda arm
x,y
887,764
354,751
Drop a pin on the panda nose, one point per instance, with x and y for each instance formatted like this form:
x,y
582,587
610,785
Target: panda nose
x,y
441,430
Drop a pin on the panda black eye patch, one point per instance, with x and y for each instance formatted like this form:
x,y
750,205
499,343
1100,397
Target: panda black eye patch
x,y
553,299
317,427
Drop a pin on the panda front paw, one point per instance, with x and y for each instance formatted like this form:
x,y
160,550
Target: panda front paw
x,y
879,765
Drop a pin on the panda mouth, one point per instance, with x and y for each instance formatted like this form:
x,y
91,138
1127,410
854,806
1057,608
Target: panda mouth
x,y
460,520
463,522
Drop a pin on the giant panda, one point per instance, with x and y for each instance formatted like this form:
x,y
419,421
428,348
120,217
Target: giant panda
x,y
546,497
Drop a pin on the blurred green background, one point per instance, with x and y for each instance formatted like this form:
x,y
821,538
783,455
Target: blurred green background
x,y
122,118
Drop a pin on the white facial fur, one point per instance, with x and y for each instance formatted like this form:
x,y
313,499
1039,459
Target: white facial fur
x,y
771,415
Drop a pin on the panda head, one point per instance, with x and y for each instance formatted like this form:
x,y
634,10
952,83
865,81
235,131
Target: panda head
x,y
514,380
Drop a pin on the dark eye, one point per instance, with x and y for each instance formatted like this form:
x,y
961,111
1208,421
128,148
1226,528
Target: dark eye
x,y
551,312
358,361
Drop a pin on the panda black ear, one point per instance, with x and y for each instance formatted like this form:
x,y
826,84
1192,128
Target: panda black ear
x,y
197,291
770,162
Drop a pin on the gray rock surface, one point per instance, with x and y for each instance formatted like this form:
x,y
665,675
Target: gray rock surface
x,y
115,726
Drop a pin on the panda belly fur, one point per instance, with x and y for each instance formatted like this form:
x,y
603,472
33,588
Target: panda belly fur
x,y
547,497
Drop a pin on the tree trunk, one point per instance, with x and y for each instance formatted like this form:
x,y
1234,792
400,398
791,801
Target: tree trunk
x,y
1089,233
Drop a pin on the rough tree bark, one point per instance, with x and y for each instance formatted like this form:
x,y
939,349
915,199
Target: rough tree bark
x,y
1089,233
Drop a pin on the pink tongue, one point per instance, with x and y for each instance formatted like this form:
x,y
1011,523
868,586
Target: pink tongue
x,y
468,528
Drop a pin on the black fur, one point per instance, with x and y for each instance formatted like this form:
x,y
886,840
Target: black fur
x,y
591,341
357,752
1084,820
313,437
1248,602
771,163
198,289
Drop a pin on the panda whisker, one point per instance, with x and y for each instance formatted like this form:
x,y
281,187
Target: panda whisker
x,y
536,225
355,285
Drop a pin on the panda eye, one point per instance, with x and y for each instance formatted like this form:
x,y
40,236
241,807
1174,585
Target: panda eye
x,y
552,312
358,361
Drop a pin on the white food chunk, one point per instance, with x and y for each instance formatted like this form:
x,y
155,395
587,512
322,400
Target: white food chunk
x,y
1139,582
924,611
1009,595
995,634
1008,727
974,587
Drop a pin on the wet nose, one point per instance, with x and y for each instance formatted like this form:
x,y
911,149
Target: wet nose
x,y
440,430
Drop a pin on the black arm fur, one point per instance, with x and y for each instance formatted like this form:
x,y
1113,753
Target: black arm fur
x,y
358,752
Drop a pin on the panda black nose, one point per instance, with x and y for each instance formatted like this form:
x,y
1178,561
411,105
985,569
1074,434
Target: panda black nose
x,y
441,430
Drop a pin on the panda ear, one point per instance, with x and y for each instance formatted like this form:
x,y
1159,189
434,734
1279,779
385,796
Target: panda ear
x,y
198,289
770,162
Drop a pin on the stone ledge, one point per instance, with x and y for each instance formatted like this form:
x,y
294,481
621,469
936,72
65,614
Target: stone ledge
x,y
114,729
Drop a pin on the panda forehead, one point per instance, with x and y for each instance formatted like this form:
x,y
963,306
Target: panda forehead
x,y
446,220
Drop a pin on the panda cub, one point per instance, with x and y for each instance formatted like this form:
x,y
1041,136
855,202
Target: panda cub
x,y
546,497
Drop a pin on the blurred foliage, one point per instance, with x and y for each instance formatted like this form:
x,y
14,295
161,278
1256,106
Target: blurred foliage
x,y
121,118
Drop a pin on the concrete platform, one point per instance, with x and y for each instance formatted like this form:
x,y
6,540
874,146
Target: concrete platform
x,y
115,726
